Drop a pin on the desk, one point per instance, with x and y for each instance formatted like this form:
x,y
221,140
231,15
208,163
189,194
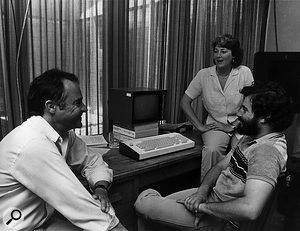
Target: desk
x,y
131,176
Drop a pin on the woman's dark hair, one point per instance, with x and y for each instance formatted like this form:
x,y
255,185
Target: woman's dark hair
x,y
271,102
232,44
47,86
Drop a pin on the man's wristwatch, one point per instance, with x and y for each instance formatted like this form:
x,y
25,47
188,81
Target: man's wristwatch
x,y
101,186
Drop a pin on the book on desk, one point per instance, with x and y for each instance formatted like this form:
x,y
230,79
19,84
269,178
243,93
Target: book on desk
x,y
126,133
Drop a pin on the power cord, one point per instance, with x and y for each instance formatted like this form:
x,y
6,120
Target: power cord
x,y
275,25
18,57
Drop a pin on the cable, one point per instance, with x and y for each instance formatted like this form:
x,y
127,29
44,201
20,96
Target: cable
x,y
18,56
14,16
275,25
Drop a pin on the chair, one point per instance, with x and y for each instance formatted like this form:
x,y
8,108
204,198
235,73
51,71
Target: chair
x,y
266,217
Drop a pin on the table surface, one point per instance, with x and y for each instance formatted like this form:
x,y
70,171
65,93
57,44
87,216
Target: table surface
x,y
125,167
161,172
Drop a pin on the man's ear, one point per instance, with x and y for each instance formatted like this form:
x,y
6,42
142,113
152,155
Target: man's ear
x,y
50,106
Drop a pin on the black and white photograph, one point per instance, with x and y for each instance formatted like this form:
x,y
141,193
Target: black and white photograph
x,y
149,115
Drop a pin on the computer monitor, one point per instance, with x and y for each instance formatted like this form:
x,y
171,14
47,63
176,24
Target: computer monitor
x,y
131,106
280,67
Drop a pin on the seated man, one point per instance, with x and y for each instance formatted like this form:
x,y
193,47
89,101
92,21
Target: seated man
x,y
38,160
237,187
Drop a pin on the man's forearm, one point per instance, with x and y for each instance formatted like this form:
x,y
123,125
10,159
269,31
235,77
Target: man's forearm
x,y
230,210
237,209
210,179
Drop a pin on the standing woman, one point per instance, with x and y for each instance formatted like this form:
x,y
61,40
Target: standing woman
x,y
219,87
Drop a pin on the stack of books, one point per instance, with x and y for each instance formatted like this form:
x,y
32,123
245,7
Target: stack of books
x,y
125,132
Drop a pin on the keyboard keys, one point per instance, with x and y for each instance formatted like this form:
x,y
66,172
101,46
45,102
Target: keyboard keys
x,y
152,146
162,142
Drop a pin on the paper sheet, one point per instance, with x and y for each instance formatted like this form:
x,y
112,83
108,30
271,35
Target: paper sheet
x,y
94,140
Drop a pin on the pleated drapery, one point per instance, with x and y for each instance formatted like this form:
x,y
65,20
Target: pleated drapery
x,y
63,34
117,43
170,41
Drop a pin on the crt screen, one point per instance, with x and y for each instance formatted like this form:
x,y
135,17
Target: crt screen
x,y
147,107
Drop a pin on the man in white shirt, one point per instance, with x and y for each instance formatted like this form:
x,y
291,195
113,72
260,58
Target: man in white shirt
x,y
39,160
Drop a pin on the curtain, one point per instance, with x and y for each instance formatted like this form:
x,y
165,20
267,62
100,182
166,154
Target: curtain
x,y
115,61
63,34
67,34
169,41
11,100
244,19
113,43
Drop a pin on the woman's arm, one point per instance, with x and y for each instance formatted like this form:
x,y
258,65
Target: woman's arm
x,y
185,104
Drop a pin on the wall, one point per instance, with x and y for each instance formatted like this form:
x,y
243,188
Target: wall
x,y
288,26
288,38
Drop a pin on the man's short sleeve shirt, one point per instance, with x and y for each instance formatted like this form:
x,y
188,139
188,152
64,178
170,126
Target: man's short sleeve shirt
x,y
263,159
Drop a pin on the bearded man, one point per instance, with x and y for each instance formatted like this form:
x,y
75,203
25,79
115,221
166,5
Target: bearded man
x,y
238,187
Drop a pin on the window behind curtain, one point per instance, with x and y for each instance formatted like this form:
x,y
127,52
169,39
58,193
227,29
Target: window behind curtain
x,y
67,34
159,43
146,41
170,40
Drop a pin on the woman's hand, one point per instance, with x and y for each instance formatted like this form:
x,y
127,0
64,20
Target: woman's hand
x,y
228,128
208,127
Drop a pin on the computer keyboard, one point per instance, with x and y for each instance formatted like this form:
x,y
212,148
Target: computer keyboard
x,y
152,146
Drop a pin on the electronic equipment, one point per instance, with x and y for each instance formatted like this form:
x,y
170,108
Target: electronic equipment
x,y
280,67
135,105
152,146
179,127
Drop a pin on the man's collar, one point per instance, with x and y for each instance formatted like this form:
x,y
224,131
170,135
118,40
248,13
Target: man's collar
x,y
45,128
271,135
250,140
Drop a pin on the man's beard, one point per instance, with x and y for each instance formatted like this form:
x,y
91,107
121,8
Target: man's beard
x,y
248,127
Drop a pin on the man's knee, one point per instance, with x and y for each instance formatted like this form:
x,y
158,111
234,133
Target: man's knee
x,y
145,200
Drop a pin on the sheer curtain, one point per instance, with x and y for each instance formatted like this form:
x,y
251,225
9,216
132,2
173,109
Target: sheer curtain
x,y
168,41
67,34
117,43
64,34
11,103
244,19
